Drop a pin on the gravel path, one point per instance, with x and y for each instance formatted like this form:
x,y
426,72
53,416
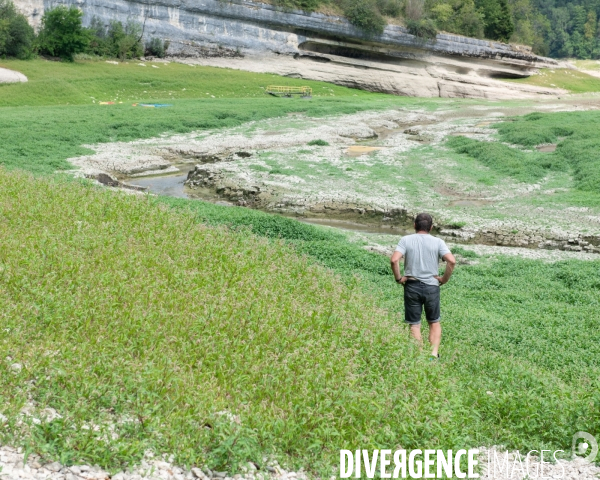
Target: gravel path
x,y
10,76
12,467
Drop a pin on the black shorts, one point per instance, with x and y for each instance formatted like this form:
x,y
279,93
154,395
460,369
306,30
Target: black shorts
x,y
419,295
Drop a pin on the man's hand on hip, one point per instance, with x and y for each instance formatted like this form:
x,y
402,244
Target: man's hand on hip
x,y
402,281
440,279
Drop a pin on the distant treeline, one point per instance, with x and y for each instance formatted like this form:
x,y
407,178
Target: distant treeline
x,y
556,28
62,35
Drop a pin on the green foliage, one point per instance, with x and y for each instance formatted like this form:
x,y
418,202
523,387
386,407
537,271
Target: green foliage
x,y
115,40
61,34
390,8
498,23
577,147
424,28
211,344
318,142
16,35
576,134
364,15
524,166
457,16
527,308
156,47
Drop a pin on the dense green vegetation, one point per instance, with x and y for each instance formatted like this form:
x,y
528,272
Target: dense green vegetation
x,y
16,35
225,322
577,147
62,35
148,324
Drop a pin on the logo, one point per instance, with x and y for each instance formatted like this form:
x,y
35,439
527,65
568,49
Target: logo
x,y
582,448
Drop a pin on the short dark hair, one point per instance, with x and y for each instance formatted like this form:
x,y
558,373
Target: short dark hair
x,y
423,222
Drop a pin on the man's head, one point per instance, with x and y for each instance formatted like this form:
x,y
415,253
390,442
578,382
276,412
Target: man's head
x,y
423,222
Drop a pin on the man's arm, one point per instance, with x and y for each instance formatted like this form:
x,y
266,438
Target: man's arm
x,y
450,263
395,261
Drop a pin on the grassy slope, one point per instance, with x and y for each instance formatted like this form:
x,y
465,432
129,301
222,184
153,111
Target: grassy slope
x,y
575,134
524,330
184,341
572,80
141,320
48,119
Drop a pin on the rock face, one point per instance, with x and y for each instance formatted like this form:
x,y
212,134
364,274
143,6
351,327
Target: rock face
x,y
10,76
319,46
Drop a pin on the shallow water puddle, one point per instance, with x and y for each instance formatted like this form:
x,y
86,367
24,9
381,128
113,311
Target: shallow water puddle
x,y
169,185
546,148
358,150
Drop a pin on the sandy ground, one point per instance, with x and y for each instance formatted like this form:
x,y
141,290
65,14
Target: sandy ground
x,y
10,76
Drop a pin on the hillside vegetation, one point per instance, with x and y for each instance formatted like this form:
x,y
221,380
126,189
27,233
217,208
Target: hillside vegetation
x,y
217,346
577,148
223,334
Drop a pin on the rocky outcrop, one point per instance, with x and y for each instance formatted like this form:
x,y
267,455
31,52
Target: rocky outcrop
x,y
319,46
10,76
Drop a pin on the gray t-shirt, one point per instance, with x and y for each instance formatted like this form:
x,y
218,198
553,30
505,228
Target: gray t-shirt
x,y
422,254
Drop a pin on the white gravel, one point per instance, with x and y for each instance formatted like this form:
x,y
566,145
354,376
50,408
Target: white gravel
x,y
13,467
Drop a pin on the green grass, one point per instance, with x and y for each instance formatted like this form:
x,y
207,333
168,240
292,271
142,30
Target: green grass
x,y
148,317
48,119
571,80
84,81
524,330
147,323
575,134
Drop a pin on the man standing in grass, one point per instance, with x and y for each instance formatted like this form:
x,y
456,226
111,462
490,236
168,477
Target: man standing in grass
x,y
421,279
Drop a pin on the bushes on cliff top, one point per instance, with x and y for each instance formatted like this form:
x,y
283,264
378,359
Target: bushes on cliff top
x,y
16,35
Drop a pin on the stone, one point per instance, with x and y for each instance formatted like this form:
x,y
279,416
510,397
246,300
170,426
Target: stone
x,y
53,467
16,368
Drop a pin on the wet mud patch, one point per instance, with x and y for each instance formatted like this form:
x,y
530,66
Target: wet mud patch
x,y
546,148
469,202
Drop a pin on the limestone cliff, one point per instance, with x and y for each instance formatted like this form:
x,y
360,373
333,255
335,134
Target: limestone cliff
x,y
319,46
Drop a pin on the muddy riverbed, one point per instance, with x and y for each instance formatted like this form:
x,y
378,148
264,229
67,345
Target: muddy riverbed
x,y
366,172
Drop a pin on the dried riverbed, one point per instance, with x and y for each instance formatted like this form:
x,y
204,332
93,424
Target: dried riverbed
x,y
370,171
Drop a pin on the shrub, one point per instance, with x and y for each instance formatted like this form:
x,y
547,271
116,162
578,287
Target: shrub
x,y
413,9
319,142
424,28
391,8
16,35
61,34
364,15
115,40
157,47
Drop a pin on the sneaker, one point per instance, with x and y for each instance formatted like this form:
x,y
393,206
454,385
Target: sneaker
x,y
434,358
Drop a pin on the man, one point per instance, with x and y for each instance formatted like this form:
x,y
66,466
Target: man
x,y
421,279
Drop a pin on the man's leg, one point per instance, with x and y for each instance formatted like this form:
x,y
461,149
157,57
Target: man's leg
x,y
412,311
432,313
415,332
435,337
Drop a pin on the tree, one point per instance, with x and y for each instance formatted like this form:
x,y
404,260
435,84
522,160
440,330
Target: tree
x,y
62,34
498,24
16,35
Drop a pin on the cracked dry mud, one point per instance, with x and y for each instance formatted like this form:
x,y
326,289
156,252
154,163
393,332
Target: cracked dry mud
x,y
374,170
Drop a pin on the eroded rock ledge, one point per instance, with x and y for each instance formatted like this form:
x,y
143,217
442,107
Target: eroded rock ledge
x,y
261,37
